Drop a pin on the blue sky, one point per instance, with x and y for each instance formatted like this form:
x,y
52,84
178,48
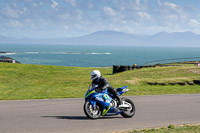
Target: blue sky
x,y
69,18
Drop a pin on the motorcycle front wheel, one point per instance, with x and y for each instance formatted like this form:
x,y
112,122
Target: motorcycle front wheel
x,y
90,112
129,112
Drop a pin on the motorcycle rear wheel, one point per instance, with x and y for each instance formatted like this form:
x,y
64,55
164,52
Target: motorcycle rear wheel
x,y
130,112
90,112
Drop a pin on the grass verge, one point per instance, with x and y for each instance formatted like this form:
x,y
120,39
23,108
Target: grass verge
x,y
169,129
25,81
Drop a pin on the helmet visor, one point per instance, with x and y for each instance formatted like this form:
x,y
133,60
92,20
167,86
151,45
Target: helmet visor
x,y
93,77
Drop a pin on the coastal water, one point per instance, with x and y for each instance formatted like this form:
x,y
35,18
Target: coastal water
x,y
92,56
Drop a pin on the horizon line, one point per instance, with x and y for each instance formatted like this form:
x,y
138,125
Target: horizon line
x,y
101,31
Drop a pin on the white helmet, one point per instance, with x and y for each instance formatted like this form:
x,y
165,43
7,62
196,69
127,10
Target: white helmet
x,y
95,74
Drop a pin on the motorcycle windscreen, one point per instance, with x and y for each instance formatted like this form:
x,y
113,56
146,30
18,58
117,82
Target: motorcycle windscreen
x,y
120,90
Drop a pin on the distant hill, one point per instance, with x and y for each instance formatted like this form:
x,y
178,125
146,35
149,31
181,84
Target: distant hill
x,y
107,37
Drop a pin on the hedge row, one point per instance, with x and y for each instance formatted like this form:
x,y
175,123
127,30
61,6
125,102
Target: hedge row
x,y
120,68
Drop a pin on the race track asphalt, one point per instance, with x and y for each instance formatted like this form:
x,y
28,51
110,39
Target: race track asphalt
x,y
67,116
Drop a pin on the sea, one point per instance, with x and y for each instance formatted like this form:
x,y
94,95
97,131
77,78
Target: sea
x,y
92,56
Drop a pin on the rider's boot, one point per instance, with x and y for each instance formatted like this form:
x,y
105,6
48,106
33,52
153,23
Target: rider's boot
x,y
118,100
115,93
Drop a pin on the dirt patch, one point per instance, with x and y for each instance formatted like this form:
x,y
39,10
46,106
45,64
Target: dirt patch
x,y
132,82
196,71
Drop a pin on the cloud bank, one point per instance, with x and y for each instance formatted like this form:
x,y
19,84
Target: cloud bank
x,y
68,18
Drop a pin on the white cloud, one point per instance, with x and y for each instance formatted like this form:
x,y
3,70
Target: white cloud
x,y
170,5
79,14
171,12
144,15
90,5
64,16
15,24
34,4
172,17
178,9
137,2
9,12
41,4
134,16
194,23
54,4
159,2
71,2
65,27
33,26
109,11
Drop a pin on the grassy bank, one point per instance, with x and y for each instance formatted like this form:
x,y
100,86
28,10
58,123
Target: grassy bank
x,y
170,129
24,81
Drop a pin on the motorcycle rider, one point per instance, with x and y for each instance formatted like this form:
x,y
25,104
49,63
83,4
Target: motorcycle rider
x,y
103,84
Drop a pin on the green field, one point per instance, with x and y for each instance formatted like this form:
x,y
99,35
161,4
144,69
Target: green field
x,y
24,81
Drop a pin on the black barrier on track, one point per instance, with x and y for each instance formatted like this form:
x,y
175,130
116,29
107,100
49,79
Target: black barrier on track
x,y
122,68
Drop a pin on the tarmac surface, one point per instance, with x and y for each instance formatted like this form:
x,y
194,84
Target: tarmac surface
x,y
67,115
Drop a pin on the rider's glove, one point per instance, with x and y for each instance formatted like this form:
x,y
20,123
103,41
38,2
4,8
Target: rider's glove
x,y
98,89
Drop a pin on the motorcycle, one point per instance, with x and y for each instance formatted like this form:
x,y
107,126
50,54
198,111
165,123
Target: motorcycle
x,y
104,104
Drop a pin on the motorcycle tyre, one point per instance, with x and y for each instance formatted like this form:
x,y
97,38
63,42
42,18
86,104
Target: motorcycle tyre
x,y
87,103
128,115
